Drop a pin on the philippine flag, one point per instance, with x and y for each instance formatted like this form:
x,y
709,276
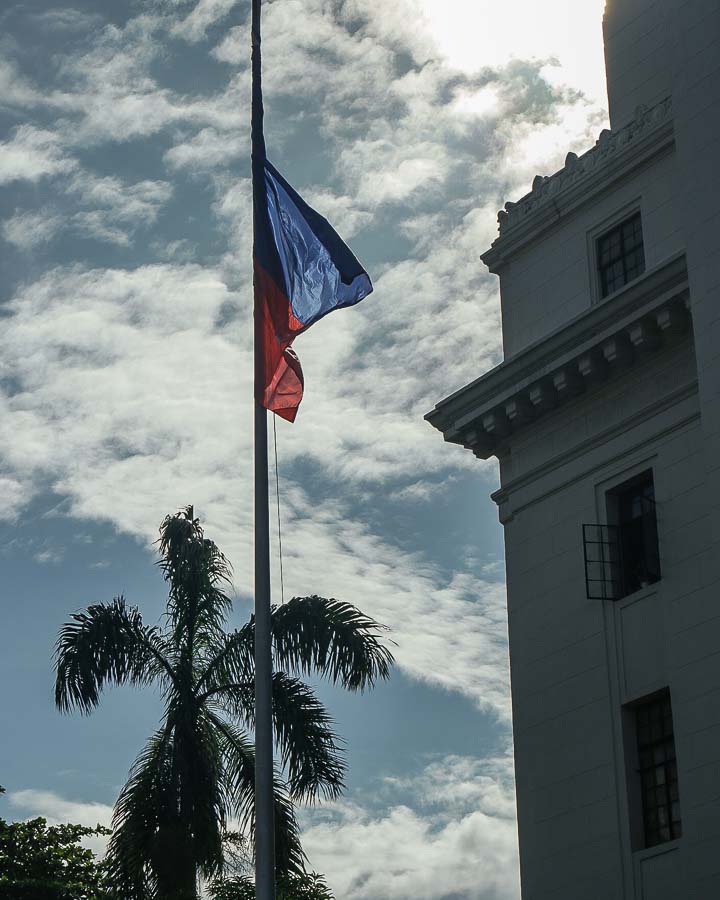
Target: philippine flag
x,y
303,271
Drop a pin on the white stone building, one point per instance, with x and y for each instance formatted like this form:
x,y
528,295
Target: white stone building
x,y
605,418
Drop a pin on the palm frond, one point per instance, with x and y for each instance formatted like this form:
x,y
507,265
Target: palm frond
x,y
195,571
106,643
146,803
239,779
231,661
170,817
309,749
308,746
331,638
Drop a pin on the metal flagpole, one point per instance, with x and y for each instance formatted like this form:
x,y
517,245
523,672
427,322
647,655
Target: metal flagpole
x,y
264,824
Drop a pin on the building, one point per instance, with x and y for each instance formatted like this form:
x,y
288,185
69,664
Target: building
x,y
605,419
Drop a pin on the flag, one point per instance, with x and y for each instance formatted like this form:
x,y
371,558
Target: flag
x,y
302,271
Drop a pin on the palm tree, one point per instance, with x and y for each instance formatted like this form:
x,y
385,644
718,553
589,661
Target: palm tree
x,y
197,770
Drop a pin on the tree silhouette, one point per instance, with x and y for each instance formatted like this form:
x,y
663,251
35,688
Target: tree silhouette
x,y
197,770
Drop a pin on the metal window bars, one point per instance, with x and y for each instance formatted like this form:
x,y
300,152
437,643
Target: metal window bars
x,y
621,559
603,568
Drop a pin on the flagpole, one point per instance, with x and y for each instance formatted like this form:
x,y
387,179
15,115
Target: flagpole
x,y
264,824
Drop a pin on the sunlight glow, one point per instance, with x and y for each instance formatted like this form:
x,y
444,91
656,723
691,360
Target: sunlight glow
x,y
476,33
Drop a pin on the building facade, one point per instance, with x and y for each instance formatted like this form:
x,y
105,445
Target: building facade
x,y
605,419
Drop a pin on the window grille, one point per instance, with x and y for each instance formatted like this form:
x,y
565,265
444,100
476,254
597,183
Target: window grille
x,y
623,556
603,574
658,770
620,255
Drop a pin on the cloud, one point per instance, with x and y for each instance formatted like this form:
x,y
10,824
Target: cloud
x,y
447,832
450,631
15,495
32,803
132,387
206,13
66,19
103,208
16,90
127,378
28,229
116,209
457,840
56,809
49,555
207,149
121,384
346,213
483,33
112,95
31,154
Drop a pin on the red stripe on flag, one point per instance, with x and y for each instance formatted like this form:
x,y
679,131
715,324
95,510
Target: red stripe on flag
x,y
278,375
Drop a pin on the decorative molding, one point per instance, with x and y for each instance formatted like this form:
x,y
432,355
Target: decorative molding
x,y
504,495
582,177
646,315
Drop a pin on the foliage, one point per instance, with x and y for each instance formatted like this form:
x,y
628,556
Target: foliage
x,y
47,862
289,887
197,770
236,884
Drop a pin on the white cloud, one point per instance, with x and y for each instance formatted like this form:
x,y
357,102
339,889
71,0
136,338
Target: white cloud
x,y
450,631
345,213
104,208
31,154
15,494
116,209
134,396
484,101
206,150
15,89
57,810
28,229
67,19
114,96
134,402
458,840
484,33
49,555
205,14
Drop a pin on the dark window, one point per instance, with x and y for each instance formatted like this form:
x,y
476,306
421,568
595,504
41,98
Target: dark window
x,y
620,255
658,770
632,507
622,556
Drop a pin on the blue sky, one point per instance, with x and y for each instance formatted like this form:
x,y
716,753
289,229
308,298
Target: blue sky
x,y
125,373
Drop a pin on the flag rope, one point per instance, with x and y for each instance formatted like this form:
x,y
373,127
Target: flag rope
x,y
277,496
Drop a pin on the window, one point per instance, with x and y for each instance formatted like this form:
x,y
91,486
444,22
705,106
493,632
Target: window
x,y
622,556
657,769
631,507
620,255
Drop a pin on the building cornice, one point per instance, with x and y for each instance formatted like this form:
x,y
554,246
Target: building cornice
x,y
563,461
645,315
614,157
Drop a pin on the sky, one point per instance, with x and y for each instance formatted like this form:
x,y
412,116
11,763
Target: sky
x,y
125,375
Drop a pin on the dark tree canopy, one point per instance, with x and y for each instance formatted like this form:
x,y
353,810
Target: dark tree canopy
x,y
47,862
289,887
